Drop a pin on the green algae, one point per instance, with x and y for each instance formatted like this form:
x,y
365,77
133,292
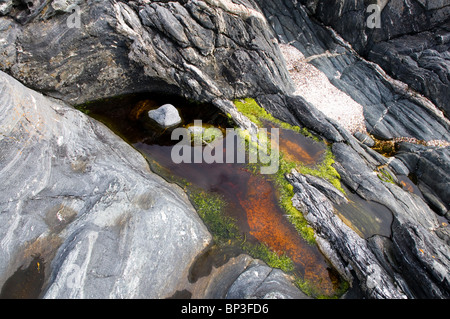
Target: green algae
x,y
325,170
210,208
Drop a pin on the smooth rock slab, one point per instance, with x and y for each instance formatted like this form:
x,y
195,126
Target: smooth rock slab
x,y
87,203
262,282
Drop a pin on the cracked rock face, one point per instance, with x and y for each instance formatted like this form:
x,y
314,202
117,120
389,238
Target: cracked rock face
x,y
411,41
82,200
390,109
203,50
261,282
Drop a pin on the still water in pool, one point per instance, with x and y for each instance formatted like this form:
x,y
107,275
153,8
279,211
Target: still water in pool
x,y
252,199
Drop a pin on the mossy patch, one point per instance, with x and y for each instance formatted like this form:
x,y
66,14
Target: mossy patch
x,y
255,113
286,192
271,258
385,176
312,291
211,209
385,148
325,170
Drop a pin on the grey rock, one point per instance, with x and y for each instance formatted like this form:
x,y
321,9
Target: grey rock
x,y
416,245
383,248
363,179
424,258
166,115
240,277
365,139
259,281
123,48
65,5
120,230
430,165
227,107
432,199
390,109
420,61
217,283
398,167
5,7
397,18
10,32
87,203
414,221
300,112
327,189
407,29
352,250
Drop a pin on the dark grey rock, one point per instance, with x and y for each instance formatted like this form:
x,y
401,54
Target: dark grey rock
x,y
123,48
420,61
75,207
430,165
365,139
397,18
398,167
407,30
242,277
424,260
65,5
300,112
411,217
327,189
353,253
383,249
5,7
432,199
390,110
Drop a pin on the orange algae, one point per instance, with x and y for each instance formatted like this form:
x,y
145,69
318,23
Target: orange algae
x,y
251,199
269,226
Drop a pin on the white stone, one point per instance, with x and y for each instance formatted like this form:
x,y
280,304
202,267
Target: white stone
x,y
166,116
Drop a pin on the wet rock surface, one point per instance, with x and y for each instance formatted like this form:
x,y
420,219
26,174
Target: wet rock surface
x,y
430,166
90,204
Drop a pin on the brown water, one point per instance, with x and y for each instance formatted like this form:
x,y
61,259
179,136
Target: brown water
x,y
25,283
252,199
253,203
